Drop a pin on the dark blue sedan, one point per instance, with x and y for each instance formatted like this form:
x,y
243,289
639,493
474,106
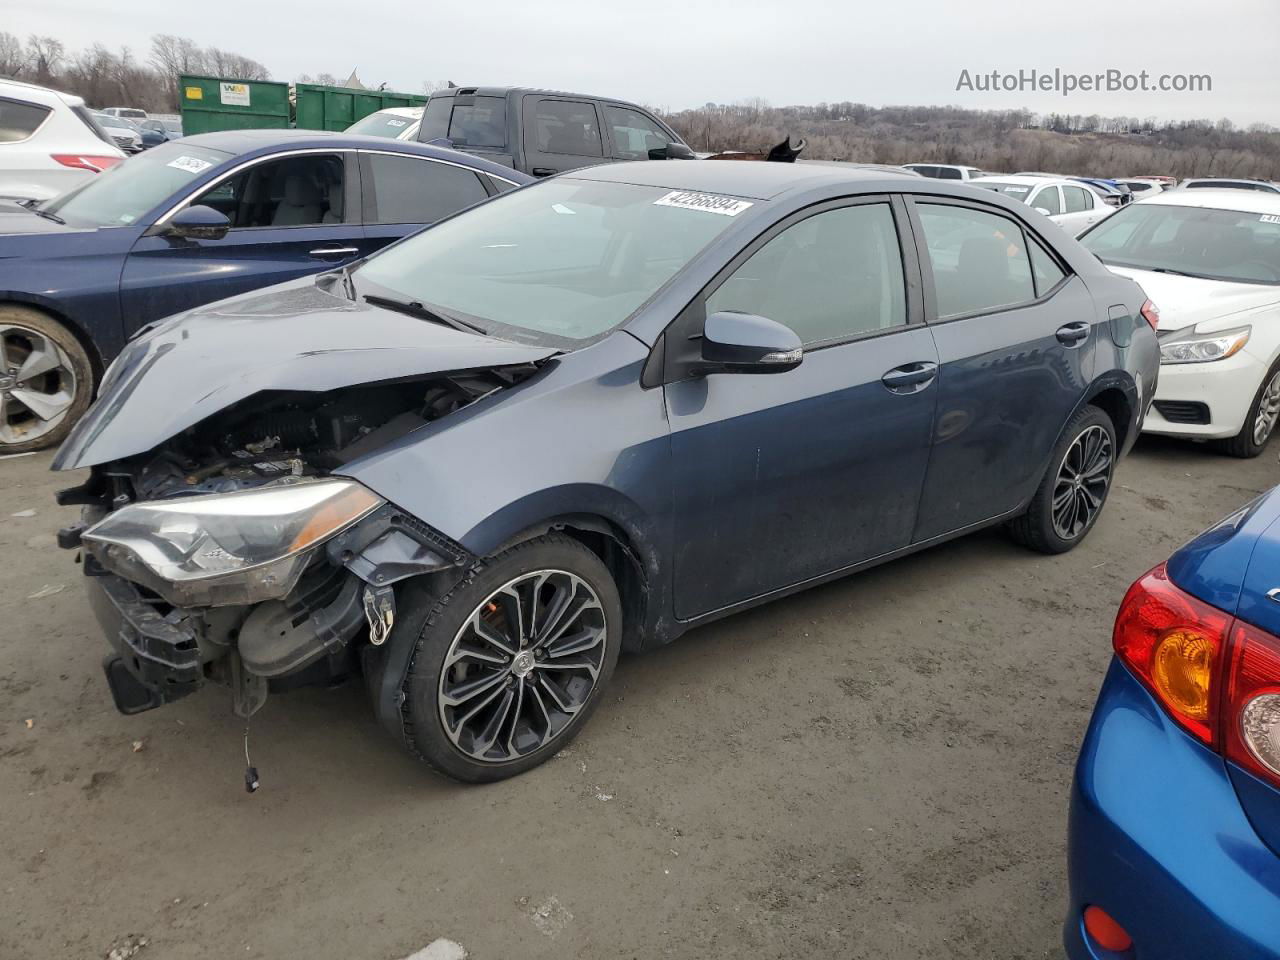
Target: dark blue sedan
x,y
586,416
1175,813
187,223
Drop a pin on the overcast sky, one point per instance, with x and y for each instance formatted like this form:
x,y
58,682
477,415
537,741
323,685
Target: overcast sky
x,y
681,53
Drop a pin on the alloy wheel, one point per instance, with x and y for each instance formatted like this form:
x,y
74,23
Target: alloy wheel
x,y
1083,477
37,384
1268,411
522,666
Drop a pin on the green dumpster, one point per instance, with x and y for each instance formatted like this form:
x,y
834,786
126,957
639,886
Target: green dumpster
x,y
322,107
220,103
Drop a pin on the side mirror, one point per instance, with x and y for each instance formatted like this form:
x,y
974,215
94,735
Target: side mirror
x,y
745,343
198,223
1044,210
672,151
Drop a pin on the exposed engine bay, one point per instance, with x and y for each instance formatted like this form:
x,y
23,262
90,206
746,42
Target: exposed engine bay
x,y
335,602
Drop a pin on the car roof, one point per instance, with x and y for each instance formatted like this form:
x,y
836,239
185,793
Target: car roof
x,y
239,142
1227,198
39,94
503,91
756,179
412,112
1026,180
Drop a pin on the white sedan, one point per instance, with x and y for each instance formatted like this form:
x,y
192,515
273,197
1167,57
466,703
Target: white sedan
x,y
1211,260
1068,203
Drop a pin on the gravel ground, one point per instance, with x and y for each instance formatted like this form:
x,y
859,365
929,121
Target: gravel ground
x,y
876,768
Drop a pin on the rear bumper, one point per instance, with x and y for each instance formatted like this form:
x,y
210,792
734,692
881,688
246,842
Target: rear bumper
x,y
1158,839
1226,387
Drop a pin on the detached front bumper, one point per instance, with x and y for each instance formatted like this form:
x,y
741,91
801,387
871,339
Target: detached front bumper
x,y
1159,840
1207,401
155,658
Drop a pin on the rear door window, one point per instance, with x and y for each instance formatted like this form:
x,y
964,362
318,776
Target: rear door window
x,y
567,127
979,259
949,173
19,120
1076,199
400,189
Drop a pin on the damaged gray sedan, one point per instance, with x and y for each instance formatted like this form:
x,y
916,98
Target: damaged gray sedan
x,y
475,467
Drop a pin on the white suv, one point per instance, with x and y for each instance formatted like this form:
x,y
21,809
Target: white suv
x,y
49,142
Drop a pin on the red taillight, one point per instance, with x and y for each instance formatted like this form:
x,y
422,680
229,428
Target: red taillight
x,y
1216,676
1151,313
1251,702
81,161
1174,643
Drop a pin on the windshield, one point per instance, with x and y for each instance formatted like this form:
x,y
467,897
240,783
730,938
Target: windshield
x,y
560,262
1214,244
118,197
380,125
1018,191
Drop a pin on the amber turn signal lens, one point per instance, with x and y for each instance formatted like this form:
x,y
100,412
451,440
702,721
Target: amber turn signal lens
x,y
1181,670
1105,931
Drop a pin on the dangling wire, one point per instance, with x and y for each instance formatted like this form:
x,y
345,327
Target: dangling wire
x,y
250,772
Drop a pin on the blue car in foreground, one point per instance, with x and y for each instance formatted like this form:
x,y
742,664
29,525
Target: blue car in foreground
x,y
187,223
1174,848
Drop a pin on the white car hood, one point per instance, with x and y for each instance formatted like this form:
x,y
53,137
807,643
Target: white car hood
x,y
1184,301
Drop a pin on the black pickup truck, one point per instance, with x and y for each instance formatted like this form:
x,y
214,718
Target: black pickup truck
x,y
544,132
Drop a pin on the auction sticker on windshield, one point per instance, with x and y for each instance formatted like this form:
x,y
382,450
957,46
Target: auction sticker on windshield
x,y
192,165
706,202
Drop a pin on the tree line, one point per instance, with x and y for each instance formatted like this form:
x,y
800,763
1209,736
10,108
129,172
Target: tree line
x,y
997,140
120,77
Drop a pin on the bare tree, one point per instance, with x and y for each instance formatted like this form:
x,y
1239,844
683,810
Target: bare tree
x,y
13,58
45,56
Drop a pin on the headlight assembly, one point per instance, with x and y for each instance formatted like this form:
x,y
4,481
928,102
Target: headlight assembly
x,y
227,549
1187,346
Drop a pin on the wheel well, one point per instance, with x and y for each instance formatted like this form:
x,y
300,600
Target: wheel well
x,y
611,544
90,349
1115,405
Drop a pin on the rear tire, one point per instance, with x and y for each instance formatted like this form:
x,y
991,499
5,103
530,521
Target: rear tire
x,y
46,380
536,632
1074,489
1260,421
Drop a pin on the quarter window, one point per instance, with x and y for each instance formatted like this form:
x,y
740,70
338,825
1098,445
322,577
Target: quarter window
x,y
20,120
566,127
634,134
832,276
408,190
979,260
1047,273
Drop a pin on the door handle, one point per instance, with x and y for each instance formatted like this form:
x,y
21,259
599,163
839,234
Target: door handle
x,y
542,171
324,252
910,377
1072,334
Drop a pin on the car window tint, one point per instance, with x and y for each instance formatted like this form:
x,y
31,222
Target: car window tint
x,y
563,126
949,173
634,134
19,120
828,277
480,123
1047,273
291,192
979,259
1075,199
409,190
1047,199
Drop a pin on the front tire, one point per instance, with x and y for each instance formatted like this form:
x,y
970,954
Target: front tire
x,y
510,663
46,380
1259,422
1074,489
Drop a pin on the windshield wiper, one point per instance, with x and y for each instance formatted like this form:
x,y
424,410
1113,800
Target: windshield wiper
x,y
33,205
415,308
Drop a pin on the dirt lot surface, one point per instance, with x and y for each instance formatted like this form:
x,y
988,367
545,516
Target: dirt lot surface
x,y
877,768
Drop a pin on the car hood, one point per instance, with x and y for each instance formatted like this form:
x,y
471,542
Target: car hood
x,y
1184,301
17,220
295,336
